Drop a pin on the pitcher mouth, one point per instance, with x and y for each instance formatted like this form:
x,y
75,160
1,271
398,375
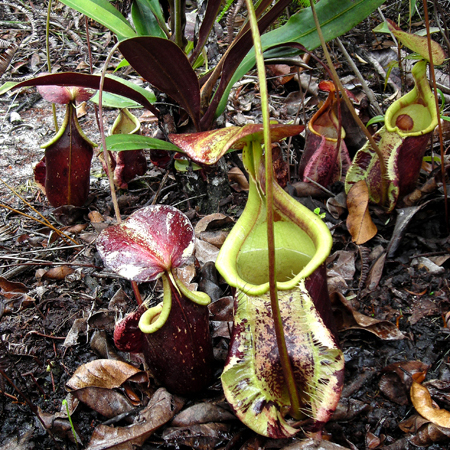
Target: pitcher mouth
x,y
302,240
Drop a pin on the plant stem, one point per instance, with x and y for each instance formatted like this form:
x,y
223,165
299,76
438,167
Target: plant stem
x,y
102,134
288,372
47,49
441,141
178,29
338,83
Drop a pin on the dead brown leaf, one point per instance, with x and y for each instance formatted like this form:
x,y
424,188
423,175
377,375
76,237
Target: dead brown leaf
x,y
237,179
11,286
212,222
348,408
58,273
359,222
103,373
421,399
347,319
107,402
425,432
161,408
201,413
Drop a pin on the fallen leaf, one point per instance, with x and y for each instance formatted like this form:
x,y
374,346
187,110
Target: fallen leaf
x,y
213,222
107,402
10,286
205,252
104,373
359,222
429,434
237,179
439,390
58,273
341,263
216,237
425,433
60,427
372,441
201,413
348,319
313,444
375,273
348,408
423,307
161,408
79,326
222,309
421,399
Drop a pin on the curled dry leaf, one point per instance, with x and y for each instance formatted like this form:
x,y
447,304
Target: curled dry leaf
x,y
102,373
107,402
161,408
359,222
58,273
421,399
425,433
212,222
201,413
348,408
348,319
11,286
237,179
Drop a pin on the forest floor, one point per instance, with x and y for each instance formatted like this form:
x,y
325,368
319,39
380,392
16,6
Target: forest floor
x,y
58,304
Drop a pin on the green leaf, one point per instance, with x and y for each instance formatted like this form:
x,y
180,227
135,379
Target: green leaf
x,y
375,119
123,63
104,13
336,18
150,96
183,165
123,142
144,18
7,86
418,44
115,101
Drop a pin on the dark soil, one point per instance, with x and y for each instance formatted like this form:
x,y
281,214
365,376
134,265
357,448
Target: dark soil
x,y
36,360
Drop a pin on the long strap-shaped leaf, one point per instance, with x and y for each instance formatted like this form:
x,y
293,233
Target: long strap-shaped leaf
x,y
162,63
105,13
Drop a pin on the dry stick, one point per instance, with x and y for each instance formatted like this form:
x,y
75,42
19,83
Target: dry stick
x,y
338,83
441,140
39,221
45,220
288,372
367,90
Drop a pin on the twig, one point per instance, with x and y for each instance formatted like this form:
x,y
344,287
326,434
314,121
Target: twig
x,y
45,220
367,90
39,221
